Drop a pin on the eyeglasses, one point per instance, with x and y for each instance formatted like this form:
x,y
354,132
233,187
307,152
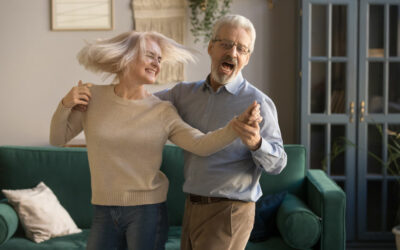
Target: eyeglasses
x,y
227,45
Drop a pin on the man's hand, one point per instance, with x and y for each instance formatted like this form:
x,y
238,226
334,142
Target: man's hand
x,y
78,97
251,114
247,126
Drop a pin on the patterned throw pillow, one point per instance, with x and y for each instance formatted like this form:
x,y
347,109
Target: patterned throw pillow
x,y
40,212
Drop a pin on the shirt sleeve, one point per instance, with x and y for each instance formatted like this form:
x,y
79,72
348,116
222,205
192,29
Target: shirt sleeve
x,y
65,125
193,140
271,156
167,94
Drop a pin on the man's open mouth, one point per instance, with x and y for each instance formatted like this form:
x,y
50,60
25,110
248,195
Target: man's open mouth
x,y
227,67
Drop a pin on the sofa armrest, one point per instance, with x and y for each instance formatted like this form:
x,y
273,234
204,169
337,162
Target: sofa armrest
x,y
327,200
8,221
299,227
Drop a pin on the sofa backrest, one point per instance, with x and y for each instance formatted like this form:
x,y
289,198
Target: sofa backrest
x,y
290,179
172,166
64,170
292,176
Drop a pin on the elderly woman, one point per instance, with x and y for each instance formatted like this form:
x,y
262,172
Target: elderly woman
x,y
126,128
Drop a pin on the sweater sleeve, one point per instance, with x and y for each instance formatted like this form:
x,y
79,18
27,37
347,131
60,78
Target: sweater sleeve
x,y
193,140
65,125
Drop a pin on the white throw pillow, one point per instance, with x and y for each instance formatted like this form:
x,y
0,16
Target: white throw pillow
x,y
40,212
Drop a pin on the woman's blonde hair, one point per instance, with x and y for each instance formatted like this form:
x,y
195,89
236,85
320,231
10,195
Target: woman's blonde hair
x,y
112,56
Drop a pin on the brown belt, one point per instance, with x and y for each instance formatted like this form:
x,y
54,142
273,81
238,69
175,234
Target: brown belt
x,y
197,199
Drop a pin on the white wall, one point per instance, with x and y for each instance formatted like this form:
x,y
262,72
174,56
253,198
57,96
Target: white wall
x,y
38,66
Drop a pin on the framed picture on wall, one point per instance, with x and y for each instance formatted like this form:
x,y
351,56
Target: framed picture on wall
x,y
82,15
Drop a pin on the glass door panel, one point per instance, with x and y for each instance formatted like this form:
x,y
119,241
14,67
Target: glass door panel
x,y
374,199
375,87
319,30
338,146
393,151
338,92
394,30
318,87
376,30
339,30
392,204
375,145
394,87
341,184
317,149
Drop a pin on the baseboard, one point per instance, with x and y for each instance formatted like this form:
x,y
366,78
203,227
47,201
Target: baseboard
x,y
370,246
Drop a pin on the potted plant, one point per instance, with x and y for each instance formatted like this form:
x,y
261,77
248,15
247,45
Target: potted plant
x,y
203,15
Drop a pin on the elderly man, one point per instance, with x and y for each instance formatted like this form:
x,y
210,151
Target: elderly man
x,y
222,188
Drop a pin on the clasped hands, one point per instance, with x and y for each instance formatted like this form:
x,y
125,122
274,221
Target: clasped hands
x,y
246,125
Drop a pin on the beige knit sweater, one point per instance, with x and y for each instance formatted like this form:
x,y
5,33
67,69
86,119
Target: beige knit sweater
x,y
125,139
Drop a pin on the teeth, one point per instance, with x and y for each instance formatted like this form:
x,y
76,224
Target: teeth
x,y
227,65
225,69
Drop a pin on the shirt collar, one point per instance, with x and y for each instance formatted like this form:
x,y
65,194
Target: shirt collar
x,y
232,87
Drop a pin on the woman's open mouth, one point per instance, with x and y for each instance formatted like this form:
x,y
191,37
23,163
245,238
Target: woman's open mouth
x,y
151,71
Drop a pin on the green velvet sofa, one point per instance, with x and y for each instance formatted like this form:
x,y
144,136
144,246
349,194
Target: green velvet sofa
x,y
66,172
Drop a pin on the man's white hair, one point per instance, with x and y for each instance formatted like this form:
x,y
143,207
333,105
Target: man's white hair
x,y
236,21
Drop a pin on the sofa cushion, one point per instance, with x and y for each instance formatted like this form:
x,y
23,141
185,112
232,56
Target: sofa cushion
x,y
265,217
40,212
8,221
174,238
68,242
300,228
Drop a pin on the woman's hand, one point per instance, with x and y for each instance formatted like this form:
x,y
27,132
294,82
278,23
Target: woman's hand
x,y
251,115
246,125
78,97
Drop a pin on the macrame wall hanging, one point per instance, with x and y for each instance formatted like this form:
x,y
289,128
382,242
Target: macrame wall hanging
x,y
167,17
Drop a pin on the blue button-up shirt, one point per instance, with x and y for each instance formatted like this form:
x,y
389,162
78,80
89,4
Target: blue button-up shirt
x,y
234,172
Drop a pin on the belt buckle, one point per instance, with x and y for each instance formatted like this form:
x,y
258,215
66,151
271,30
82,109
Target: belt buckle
x,y
194,199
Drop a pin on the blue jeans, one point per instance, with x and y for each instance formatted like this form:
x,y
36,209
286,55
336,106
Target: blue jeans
x,y
143,227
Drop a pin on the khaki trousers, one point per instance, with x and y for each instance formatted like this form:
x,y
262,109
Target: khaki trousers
x,y
223,225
